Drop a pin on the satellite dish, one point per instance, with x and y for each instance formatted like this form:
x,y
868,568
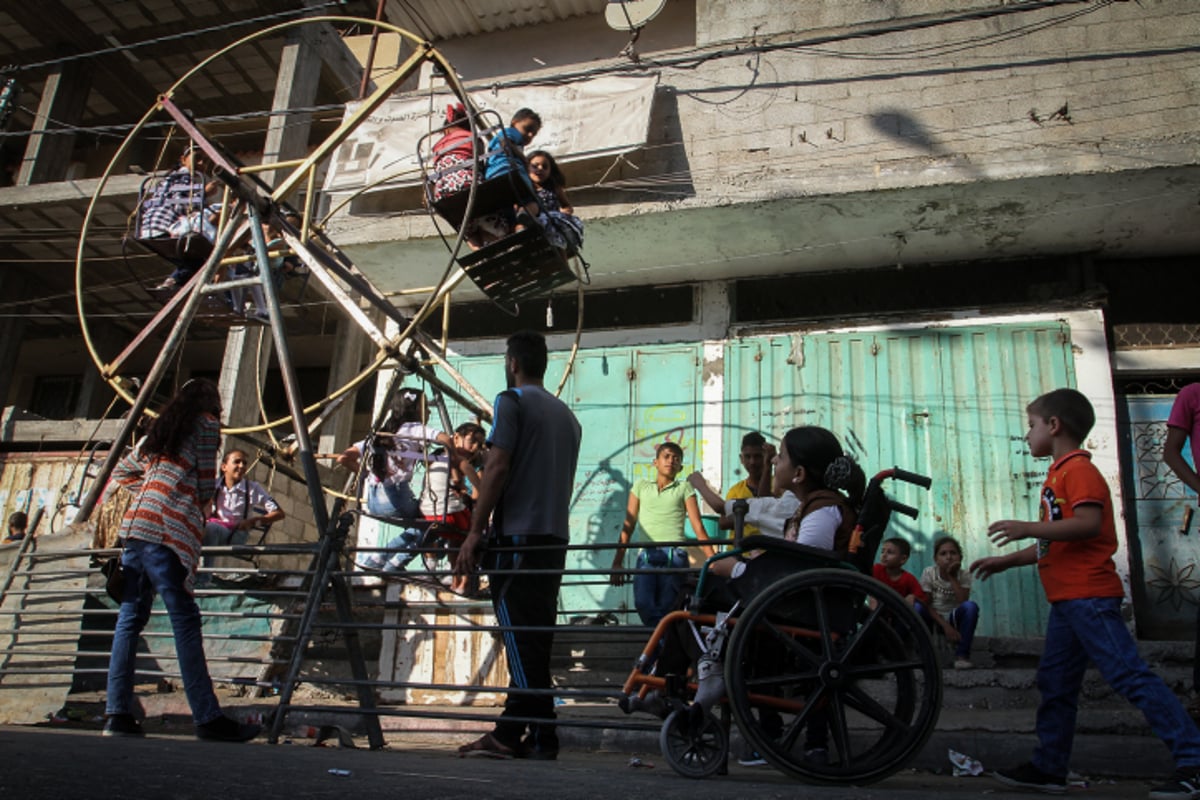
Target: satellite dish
x,y
630,15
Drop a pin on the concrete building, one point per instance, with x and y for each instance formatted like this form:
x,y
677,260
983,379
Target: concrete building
x,y
898,220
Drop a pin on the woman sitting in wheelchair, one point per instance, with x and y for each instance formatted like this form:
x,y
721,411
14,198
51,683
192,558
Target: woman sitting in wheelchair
x,y
829,486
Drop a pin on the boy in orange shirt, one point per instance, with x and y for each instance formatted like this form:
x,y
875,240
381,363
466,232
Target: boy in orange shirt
x,y
1076,538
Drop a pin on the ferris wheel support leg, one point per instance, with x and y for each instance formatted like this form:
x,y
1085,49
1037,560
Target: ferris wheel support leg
x,y
326,572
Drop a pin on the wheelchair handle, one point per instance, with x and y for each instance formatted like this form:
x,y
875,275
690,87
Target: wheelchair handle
x,y
911,477
907,510
740,508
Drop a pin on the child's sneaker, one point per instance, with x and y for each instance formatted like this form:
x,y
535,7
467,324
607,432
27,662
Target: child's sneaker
x,y
398,562
1027,776
122,725
752,759
1184,783
372,561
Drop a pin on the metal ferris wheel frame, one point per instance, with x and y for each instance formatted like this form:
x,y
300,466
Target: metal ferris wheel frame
x,y
249,203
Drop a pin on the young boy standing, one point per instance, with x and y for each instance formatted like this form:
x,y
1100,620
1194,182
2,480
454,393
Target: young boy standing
x,y
661,505
1076,538
766,513
754,461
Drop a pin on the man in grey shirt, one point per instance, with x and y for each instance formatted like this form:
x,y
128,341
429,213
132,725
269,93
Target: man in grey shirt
x,y
526,492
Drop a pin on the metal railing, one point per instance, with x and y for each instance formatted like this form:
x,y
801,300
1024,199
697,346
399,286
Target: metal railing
x,y
263,623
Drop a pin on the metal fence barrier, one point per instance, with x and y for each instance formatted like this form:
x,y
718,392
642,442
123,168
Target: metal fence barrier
x,y
269,629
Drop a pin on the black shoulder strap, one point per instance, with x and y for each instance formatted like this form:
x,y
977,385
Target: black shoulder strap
x,y
823,498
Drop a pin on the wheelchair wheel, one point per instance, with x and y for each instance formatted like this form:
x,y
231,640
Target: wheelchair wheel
x,y
693,748
831,663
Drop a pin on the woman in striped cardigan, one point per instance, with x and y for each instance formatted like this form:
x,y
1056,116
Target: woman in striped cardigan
x,y
172,473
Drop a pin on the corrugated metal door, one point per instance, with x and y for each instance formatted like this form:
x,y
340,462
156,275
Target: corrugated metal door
x,y
627,400
1165,544
946,402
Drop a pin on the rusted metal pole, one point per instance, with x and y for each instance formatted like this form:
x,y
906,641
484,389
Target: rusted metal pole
x,y
366,76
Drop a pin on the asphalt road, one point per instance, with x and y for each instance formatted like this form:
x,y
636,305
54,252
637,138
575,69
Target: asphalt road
x,y
64,763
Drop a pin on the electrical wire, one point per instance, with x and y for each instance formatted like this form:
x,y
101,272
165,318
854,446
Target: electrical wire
x,y
124,128
683,61
174,37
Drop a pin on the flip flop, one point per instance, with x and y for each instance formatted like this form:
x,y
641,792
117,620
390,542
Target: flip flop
x,y
486,746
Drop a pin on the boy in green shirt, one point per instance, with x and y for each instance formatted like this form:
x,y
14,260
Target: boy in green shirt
x,y
660,505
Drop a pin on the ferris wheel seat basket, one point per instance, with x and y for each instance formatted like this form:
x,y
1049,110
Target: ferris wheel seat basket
x,y
494,195
518,267
190,251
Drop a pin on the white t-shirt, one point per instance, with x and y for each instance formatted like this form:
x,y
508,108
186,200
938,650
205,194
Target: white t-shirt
x,y
940,591
819,528
436,496
768,514
247,498
409,444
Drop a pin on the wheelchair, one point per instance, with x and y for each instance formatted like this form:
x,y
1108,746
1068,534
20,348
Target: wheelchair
x,y
812,647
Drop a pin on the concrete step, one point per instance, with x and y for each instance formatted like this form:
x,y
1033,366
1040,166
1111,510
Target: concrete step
x,y
1004,676
1016,688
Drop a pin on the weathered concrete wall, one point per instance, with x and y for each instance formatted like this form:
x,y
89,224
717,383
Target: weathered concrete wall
x,y
54,480
29,481
1053,130
944,102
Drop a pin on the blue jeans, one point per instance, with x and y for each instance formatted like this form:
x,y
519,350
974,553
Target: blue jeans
x,y
392,500
965,618
1092,628
217,535
655,596
152,568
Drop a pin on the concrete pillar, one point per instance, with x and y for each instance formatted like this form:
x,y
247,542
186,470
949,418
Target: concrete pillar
x,y
349,354
243,373
12,333
287,137
296,87
64,97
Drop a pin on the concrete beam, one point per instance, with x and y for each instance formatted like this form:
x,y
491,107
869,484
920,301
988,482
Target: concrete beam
x,y
247,358
349,351
50,431
13,285
339,60
123,84
52,194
